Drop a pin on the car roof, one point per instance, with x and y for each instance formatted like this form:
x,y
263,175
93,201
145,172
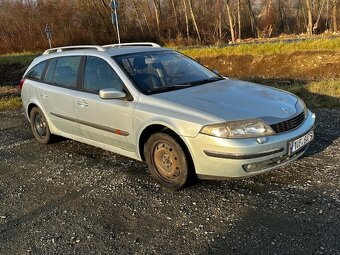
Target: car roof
x,y
110,50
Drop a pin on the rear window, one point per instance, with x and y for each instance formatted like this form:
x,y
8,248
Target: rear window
x,y
63,71
37,71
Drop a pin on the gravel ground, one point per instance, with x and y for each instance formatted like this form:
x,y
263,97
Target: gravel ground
x,y
71,198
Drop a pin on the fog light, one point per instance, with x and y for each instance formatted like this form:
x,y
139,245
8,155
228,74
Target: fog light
x,y
250,167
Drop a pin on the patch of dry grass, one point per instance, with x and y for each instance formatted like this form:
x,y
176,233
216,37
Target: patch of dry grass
x,y
11,103
265,49
322,94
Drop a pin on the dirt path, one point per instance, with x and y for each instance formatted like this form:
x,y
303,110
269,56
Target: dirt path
x,y
71,198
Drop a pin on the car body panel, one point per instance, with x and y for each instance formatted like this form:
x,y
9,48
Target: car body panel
x,y
62,115
223,167
106,121
232,100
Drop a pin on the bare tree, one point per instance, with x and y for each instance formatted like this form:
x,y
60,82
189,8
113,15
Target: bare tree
x,y
231,21
239,19
194,20
157,7
254,26
310,17
186,18
334,15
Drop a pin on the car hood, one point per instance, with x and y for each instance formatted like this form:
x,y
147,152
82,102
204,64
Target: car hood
x,y
235,100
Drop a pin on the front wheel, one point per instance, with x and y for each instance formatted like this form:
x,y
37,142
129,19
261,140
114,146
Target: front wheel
x,y
39,126
167,161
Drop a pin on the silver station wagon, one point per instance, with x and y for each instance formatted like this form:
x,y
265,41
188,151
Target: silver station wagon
x,y
156,105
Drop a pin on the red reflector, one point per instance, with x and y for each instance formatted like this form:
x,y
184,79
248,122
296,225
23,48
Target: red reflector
x,y
21,84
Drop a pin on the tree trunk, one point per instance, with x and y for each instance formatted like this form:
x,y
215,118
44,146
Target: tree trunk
x,y
239,19
138,18
310,17
231,22
156,6
252,19
186,18
334,16
316,24
175,14
219,19
194,20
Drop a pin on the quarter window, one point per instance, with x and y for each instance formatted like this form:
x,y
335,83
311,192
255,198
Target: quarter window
x,y
99,75
66,71
36,71
50,70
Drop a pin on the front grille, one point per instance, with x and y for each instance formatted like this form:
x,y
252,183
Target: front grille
x,y
290,124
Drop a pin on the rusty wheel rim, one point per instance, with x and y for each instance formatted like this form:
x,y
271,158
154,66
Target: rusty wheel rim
x,y
166,161
40,125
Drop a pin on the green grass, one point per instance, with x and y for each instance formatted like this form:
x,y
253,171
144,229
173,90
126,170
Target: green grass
x,y
266,48
24,58
323,94
11,103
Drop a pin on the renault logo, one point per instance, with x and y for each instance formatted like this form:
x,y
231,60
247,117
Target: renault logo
x,y
284,109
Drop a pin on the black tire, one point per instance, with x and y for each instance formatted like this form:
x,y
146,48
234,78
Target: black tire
x,y
39,126
167,161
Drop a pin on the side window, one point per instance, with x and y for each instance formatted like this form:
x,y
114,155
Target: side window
x,y
50,70
37,71
66,71
98,74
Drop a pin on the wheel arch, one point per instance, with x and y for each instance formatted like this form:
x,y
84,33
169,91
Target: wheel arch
x,y
162,128
29,109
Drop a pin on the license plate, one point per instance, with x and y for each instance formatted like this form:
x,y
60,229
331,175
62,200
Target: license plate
x,y
300,142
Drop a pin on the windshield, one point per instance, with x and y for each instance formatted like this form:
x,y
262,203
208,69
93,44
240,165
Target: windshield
x,y
155,72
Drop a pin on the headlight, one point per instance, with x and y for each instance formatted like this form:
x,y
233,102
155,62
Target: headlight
x,y
238,129
303,106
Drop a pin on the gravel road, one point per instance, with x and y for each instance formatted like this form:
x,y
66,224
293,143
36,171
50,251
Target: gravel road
x,y
71,198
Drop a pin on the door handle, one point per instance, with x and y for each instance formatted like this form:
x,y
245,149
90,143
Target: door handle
x,y
82,103
44,95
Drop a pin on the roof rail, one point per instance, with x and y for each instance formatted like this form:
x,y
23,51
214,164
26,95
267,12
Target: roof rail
x,y
143,44
76,47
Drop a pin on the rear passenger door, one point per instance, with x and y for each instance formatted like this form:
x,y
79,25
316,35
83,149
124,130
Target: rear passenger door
x,y
58,95
108,121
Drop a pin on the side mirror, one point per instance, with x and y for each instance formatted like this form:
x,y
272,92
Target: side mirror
x,y
111,94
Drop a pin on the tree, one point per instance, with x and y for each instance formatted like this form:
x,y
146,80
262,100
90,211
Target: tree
x,y
194,20
231,22
334,16
310,17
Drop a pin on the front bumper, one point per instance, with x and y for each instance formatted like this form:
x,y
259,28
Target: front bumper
x,y
219,158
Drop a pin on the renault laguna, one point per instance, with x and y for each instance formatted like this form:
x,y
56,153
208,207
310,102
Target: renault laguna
x,y
156,105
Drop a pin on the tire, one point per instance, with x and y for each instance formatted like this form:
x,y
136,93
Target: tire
x,y
39,126
167,161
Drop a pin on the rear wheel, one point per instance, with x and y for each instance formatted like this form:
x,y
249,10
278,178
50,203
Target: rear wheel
x,y
167,161
39,126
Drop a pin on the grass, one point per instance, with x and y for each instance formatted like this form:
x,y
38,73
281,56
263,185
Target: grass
x,y
23,58
323,94
265,49
11,103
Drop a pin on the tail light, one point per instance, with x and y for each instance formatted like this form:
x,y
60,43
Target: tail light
x,y
21,84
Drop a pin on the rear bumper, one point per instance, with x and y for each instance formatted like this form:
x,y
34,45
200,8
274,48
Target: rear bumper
x,y
219,158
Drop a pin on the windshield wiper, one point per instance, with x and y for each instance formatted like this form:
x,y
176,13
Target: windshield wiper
x,y
212,79
184,85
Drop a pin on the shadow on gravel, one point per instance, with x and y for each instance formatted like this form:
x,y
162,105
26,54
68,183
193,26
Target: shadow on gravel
x,y
300,223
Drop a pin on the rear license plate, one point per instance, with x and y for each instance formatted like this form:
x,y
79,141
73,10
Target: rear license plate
x,y
300,142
